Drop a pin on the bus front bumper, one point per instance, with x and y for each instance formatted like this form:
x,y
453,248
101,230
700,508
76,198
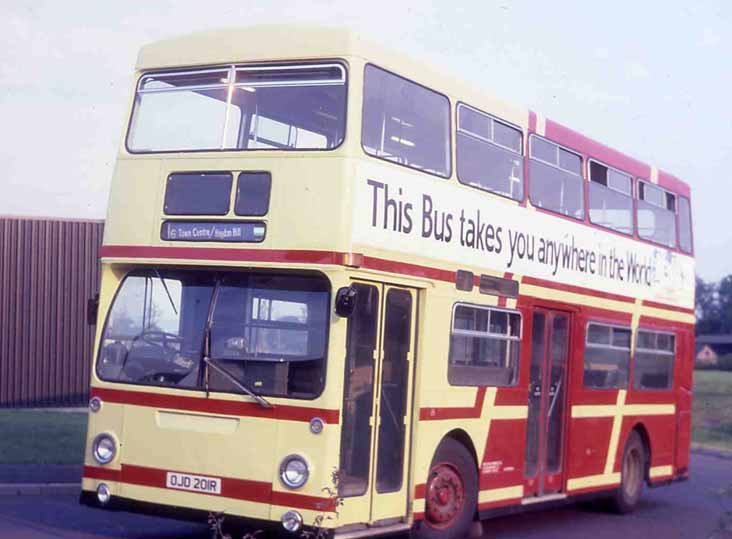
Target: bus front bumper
x,y
245,524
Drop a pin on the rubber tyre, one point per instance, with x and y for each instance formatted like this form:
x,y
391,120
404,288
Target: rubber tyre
x,y
456,456
633,470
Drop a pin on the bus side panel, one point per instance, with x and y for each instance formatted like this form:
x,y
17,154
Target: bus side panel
x,y
683,402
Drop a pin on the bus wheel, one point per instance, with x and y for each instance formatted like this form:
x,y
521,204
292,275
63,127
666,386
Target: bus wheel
x,y
632,473
451,493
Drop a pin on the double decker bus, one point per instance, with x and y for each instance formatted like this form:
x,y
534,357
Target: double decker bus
x,y
340,290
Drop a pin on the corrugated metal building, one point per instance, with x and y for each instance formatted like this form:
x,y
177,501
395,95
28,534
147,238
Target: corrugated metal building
x,y
48,270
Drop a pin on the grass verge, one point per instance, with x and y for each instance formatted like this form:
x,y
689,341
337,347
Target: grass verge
x,y
42,437
712,409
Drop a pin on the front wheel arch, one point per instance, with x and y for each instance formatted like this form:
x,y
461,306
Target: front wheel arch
x,y
459,435
452,485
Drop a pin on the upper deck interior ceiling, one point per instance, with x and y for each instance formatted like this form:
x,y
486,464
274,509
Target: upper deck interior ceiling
x,y
264,43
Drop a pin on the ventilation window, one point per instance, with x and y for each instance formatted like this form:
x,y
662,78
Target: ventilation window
x,y
198,193
252,193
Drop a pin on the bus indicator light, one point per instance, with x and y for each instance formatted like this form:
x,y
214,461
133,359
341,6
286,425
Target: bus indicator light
x,y
95,404
104,494
316,425
292,521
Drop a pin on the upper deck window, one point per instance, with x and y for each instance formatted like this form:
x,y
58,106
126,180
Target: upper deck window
x,y
405,123
685,225
555,178
656,214
489,153
611,198
256,107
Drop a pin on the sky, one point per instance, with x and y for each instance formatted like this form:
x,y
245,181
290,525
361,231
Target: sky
x,y
652,79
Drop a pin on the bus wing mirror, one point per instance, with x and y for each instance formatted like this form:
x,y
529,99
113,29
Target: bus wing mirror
x,y
345,301
92,310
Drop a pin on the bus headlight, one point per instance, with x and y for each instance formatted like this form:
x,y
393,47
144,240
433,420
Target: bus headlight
x,y
294,471
104,448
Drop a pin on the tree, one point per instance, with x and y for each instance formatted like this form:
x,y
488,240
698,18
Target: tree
x,y
724,304
708,320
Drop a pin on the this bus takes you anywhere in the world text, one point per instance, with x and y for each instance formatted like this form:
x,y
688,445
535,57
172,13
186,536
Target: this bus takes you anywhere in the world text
x,y
343,292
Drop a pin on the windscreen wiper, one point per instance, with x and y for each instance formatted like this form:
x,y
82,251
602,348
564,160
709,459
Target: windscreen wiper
x,y
165,285
231,378
211,364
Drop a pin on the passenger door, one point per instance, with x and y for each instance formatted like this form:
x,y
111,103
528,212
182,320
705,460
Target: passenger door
x,y
545,433
377,400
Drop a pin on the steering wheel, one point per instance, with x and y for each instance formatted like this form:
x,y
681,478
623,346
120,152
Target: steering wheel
x,y
157,338
153,337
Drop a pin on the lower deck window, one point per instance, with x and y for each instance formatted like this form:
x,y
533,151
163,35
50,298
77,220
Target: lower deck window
x,y
484,347
654,360
607,356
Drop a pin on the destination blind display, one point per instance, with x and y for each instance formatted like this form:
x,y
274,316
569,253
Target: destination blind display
x,y
213,231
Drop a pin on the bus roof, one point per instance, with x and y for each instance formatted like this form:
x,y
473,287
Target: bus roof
x,y
261,43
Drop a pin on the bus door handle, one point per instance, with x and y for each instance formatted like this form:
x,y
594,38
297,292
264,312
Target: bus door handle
x,y
535,390
553,393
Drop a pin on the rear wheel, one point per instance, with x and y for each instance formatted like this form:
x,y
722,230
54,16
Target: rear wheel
x,y
632,474
451,493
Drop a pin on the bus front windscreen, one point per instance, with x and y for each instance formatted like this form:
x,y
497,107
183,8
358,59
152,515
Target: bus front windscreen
x,y
245,107
266,332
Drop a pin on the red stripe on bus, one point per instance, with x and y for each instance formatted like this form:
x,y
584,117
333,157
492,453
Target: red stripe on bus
x,y
534,281
591,148
416,270
338,258
596,397
303,501
459,412
218,253
598,314
588,490
103,474
658,396
215,406
511,396
656,305
239,489
499,503
671,182
651,323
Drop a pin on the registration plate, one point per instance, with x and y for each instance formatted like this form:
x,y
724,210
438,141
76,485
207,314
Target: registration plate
x,y
194,483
